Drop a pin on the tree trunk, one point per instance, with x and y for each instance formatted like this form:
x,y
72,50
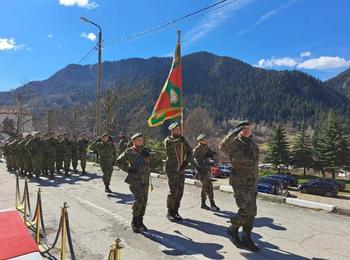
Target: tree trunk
x,y
333,174
323,174
304,171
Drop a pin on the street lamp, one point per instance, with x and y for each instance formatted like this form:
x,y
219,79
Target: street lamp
x,y
98,102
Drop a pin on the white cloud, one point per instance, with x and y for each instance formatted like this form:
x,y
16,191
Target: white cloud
x,y
91,36
211,21
267,16
324,63
9,44
80,3
49,36
277,62
305,54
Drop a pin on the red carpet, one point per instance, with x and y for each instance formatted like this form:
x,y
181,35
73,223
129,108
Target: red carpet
x,y
15,239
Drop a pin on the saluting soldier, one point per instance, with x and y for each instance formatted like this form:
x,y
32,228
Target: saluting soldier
x,y
175,164
75,154
45,148
106,151
203,154
22,152
51,150
28,165
83,144
60,153
136,162
244,155
68,150
34,147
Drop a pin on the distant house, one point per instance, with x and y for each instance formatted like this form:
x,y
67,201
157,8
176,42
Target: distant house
x,y
9,119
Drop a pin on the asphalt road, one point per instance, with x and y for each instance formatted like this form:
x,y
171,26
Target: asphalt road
x,y
282,231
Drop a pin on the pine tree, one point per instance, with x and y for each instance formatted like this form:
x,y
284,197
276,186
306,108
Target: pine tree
x,y
302,152
332,149
278,152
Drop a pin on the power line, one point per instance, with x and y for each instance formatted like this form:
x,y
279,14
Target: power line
x,y
87,55
142,34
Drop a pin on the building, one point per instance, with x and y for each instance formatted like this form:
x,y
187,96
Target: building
x,y
9,121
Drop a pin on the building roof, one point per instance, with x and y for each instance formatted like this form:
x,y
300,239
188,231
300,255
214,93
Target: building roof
x,y
12,111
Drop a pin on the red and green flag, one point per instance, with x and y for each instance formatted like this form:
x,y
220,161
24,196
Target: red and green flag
x,y
169,103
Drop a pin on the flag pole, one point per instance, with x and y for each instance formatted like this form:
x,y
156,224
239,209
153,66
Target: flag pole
x,y
182,104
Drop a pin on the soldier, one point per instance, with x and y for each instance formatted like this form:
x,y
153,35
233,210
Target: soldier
x,y
75,154
129,140
106,151
203,154
244,155
123,143
45,154
83,144
6,153
28,165
136,162
60,153
15,157
179,154
34,147
51,150
22,153
67,155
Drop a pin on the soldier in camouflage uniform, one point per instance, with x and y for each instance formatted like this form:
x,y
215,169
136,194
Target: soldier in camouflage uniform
x,y
136,162
13,154
22,154
68,151
174,168
45,148
83,144
75,154
203,154
60,153
35,148
28,165
6,153
244,155
106,151
123,143
51,150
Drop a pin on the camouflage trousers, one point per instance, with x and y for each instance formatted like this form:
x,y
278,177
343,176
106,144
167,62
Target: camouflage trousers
x,y
140,192
246,203
207,186
176,182
82,161
28,165
66,162
50,162
75,162
59,162
107,169
45,164
37,164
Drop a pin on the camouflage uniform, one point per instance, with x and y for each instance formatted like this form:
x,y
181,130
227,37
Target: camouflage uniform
x,y
83,145
13,155
22,155
51,150
244,155
35,148
136,162
28,165
45,149
75,155
6,153
176,177
67,155
202,153
106,152
59,154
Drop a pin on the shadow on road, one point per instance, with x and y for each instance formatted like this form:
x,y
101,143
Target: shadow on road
x,y
180,245
122,197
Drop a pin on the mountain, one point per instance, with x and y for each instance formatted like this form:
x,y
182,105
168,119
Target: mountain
x,y
341,83
228,88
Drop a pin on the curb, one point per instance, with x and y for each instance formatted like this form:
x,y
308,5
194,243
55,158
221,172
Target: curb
x,y
310,204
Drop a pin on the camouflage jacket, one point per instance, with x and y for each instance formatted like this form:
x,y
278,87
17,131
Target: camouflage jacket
x,y
67,147
244,155
51,146
21,147
202,153
173,153
138,161
106,150
35,147
60,147
75,149
83,146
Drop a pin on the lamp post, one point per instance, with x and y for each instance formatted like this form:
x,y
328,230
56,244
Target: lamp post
x,y
98,101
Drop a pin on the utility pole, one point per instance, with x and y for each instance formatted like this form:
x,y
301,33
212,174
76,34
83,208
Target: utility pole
x,y
99,76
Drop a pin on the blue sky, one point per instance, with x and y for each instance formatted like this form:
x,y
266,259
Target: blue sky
x,y
39,37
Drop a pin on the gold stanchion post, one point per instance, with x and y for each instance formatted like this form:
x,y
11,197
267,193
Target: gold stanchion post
x,y
115,250
63,231
38,218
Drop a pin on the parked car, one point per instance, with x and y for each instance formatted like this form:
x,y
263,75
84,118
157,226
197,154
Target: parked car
x,y
288,179
273,181
215,171
265,165
320,188
190,173
339,184
225,170
265,188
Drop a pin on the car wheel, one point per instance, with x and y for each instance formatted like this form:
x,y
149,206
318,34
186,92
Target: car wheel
x,y
303,190
329,194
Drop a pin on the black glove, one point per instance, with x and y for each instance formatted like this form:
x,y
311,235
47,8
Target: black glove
x,y
237,130
131,171
183,166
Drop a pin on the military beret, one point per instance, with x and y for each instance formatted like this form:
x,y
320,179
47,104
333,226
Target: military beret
x,y
137,135
52,132
35,132
104,134
66,133
173,125
83,134
243,123
201,137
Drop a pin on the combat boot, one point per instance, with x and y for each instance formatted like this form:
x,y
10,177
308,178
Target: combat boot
x,y
142,226
247,240
83,172
66,173
135,225
171,215
177,216
213,207
107,189
232,232
204,206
